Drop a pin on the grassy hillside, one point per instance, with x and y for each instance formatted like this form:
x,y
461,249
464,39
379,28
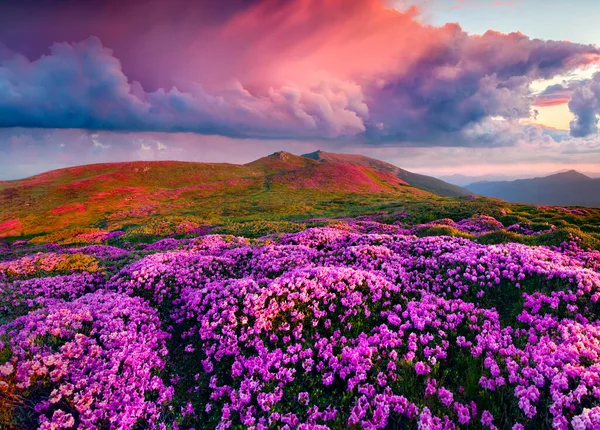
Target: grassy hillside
x,y
113,196
280,192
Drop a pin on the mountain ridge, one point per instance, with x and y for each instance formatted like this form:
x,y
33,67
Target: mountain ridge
x,y
568,188
423,182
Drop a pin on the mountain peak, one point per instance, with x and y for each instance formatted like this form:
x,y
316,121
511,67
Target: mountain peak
x,y
360,160
282,155
317,155
281,161
568,188
569,175
422,182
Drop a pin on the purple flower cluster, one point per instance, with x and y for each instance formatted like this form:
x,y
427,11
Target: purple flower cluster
x,y
479,224
527,230
164,245
99,251
90,363
159,277
275,316
476,225
357,324
20,296
348,331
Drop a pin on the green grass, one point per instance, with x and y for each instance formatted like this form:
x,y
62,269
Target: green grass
x,y
149,199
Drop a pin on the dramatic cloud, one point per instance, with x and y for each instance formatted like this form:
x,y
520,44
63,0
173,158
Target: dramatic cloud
x,y
261,42
82,86
468,79
295,69
585,105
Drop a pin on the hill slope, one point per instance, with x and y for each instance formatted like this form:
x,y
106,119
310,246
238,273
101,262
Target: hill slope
x,y
423,182
569,188
115,195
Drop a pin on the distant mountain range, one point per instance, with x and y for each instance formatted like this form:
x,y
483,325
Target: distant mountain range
x,y
569,188
465,180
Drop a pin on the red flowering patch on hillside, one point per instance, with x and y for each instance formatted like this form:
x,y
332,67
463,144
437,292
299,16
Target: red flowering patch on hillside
x,y
10,228
90,183
119,191
68,208
340,178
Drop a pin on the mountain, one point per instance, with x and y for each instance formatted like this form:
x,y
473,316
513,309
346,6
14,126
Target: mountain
x,y
569,188
423,182
464,180
592,175
296,172
279,186
281,161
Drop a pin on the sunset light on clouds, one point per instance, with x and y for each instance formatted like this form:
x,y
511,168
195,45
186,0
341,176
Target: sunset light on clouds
x,y
403,77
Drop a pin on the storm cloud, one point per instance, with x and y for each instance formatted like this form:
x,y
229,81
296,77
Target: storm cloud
x,y
585,105
277,70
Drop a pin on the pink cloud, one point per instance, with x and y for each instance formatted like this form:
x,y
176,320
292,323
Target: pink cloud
x,y
275,69
559,96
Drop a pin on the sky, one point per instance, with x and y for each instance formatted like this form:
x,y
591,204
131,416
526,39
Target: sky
x,y
441,87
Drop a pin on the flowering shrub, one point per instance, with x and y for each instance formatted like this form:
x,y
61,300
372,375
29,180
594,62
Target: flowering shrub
x,y
216,243
18,297
356,324
159,277
163,244
528,230
99,251
48,263
479,224
476,225
76,236
88,363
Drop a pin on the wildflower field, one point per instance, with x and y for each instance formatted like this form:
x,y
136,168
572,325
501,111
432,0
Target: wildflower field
x,y
370,322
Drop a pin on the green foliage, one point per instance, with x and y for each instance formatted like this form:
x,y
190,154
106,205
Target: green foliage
x,y
68,236
442,230
590,228
555,238
259,228
171,226
502,236
511,219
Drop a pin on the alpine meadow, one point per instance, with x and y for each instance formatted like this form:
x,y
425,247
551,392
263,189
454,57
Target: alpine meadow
x,y
420,250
